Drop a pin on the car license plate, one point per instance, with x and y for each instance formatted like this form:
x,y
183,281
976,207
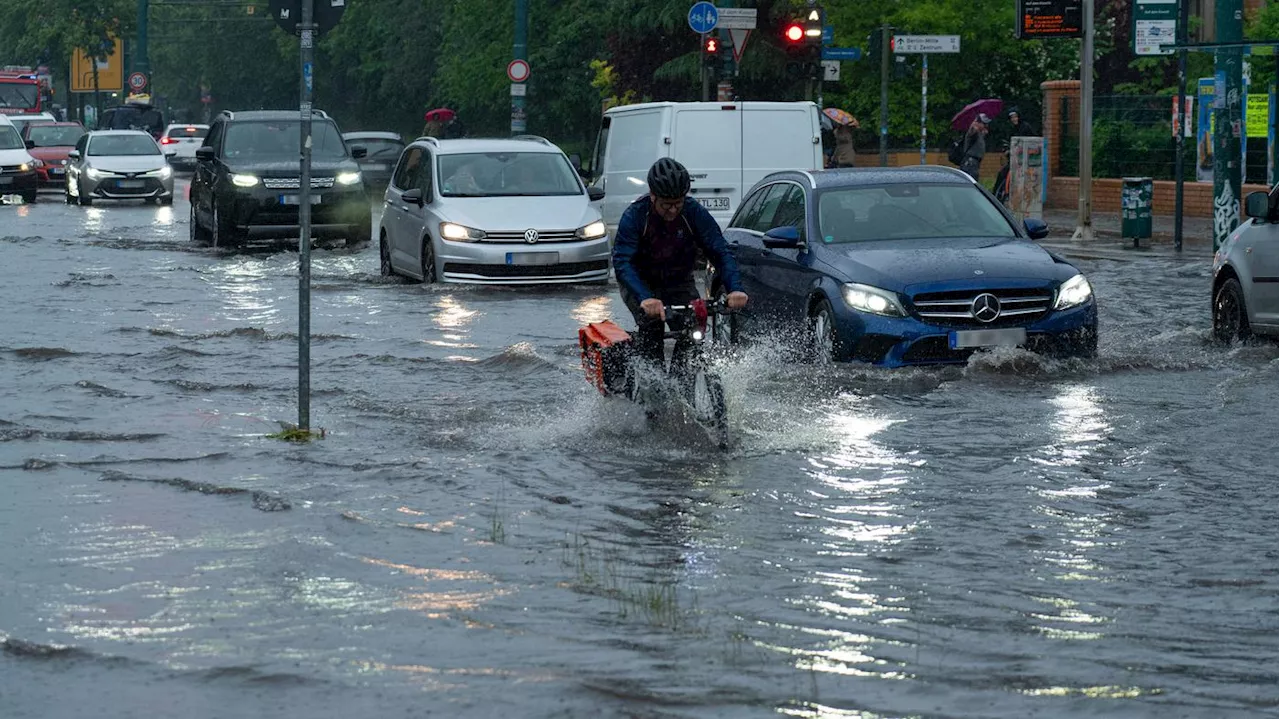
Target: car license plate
x,y
714,203
130,184
55,170
533,258
295,200
1011,337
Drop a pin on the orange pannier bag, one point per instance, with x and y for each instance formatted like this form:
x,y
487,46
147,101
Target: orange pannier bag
x,y
604,347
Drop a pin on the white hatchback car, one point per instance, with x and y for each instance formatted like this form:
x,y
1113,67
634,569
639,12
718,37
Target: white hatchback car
x,y
503,211
183,140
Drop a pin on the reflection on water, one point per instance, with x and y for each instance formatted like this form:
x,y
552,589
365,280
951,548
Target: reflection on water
x,y
593,309
452,314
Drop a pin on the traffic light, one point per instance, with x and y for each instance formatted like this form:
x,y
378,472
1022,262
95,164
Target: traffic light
x,y
710,46
802,41
793,34
813,21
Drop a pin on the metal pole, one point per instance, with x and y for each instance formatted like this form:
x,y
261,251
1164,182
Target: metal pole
x,y
1182,130
1084,228
307,28
1229,26
520,51
140,62
704,70
924,102
884,95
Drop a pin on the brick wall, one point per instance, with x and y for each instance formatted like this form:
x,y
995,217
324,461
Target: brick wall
x,y
1053,92
1197,197
986,173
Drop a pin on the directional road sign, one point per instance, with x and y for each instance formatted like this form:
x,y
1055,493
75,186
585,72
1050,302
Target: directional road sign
x,y
841,53
831,70
703,17
736,18
911,44
828,34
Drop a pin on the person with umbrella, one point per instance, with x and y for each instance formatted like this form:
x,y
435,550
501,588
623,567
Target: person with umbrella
x,y
975,145
841,124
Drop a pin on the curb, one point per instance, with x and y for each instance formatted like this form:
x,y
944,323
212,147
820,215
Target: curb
x,y
1125,251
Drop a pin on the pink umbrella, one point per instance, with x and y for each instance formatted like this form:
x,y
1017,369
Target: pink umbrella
x,y
440,114
990,107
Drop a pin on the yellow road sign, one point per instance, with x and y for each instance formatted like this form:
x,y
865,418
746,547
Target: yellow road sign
x,y
110,71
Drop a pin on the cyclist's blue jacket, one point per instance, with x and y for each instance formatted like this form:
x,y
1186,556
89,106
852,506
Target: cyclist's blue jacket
x,y
650,254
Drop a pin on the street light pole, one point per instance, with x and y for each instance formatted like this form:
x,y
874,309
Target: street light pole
x,y
884,95
1178,144
1084,227
140,62
520,50
308,30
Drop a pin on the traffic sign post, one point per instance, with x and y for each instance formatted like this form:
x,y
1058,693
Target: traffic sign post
x,y
841,53
703,17
137,82
924,46
518,70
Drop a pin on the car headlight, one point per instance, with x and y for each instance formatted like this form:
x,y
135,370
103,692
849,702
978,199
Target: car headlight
x,y
866,298
458,233
162,173
348,178
244,180
1075,291
25,166
94,174
593,231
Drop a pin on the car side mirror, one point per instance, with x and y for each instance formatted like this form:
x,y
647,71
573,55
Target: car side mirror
x,y
1036,229
204,154
782,238
359,151
576,160
31,144
595,194
413,196
73,155
1255,205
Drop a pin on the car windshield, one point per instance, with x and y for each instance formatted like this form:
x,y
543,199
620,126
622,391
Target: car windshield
x,y
22,96
507,174
281,138
9,139
187,131
116,145
55,135
378,148
908,211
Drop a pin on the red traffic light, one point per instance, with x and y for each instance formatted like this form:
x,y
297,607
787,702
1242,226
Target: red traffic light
x,y
794,32
711,46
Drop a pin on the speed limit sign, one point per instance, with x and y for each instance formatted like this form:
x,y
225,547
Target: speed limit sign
x,y
137,81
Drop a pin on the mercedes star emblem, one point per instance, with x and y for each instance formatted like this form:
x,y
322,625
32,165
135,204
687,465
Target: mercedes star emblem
x,y
531,236
986,307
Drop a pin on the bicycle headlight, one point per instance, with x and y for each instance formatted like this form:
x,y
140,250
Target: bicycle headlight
x,y
874,300
348,178
459,233
1075,291
244,180
593,231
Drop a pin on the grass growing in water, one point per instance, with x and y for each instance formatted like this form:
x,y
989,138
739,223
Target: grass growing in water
x,y
654,597
298,436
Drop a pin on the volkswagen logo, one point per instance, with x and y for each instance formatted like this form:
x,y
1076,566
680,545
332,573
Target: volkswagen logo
x,y
531,236
985,308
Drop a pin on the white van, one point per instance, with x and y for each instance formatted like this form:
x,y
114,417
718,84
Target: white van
x,y
727,147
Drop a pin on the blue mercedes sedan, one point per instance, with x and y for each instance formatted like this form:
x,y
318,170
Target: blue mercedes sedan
x,y
900,266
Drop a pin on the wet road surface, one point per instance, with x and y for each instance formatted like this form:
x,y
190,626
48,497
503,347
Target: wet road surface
x,y
479,534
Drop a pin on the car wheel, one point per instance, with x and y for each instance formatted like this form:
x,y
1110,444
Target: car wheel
x,y
821,344
224,234
428,260
166,200
384,258
1230,317
29,197
82,197
199,235
364,236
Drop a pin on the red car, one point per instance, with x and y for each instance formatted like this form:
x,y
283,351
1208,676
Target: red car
x,y
50,142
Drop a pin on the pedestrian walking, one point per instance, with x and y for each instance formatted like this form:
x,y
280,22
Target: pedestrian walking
x,y
975,145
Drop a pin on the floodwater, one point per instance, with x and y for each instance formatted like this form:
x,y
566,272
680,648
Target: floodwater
x,y
480,534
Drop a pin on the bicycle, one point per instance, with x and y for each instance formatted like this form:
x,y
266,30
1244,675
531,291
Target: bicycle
x,y
612,366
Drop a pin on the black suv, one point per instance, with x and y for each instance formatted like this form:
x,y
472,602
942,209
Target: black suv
x,y
245,185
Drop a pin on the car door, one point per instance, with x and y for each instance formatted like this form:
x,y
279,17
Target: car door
x,y
1261,240
752,251
403,255
204,176
417,218
76,166
787,274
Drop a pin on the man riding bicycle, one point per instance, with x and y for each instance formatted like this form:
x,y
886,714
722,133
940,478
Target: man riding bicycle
x,y
654,253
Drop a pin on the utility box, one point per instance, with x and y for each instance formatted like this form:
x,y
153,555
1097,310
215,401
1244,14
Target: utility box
x,y
1135,209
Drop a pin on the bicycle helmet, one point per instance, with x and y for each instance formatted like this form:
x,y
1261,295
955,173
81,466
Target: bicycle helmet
x,y
668,179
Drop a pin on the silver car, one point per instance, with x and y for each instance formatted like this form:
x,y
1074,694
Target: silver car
x,y
509,211
118,165
1245,273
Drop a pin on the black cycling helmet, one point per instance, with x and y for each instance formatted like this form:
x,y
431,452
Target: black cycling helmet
x,y
668,179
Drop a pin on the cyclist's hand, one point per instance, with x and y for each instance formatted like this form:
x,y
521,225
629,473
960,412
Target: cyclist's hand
x,y
737,300
653,308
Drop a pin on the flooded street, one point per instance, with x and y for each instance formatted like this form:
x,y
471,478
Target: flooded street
x,y
480,534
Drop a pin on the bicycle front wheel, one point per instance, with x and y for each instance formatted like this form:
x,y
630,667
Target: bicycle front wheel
x,y
709,406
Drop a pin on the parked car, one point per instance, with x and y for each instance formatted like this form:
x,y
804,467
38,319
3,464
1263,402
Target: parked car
x,y
902,266
118,165
510,211
382,150
184,139
727,146
1245,273
50,143
245,185
18,174
20,122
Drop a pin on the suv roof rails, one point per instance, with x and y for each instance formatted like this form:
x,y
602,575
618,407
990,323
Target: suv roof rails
x,y
535,138
428,138
231,115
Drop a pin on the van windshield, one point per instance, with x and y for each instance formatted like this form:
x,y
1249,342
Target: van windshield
x,y
507,174
9,139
